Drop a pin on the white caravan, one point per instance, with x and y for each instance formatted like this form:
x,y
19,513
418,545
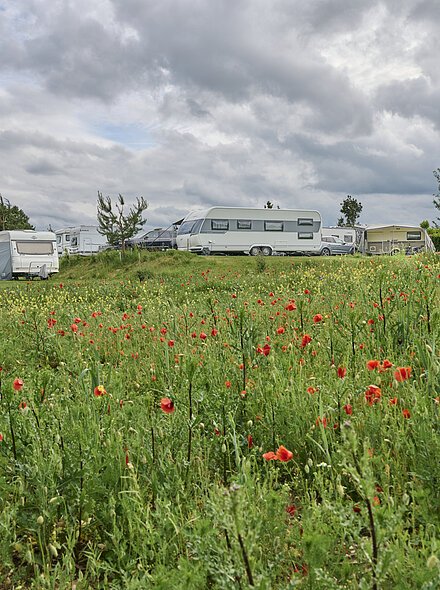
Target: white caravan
x,y
86,240
63,240
346,234
28,253
241,230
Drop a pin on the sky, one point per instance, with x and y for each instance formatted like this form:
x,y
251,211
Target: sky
x,y
195,103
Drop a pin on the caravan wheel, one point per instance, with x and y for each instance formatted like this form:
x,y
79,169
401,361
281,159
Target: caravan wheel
x,y
255,251
266,251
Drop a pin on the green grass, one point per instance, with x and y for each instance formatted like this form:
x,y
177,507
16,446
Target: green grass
x,y
110,491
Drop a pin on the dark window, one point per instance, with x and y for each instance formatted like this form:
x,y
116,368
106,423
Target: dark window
x,y
273,226
348,239
219,224
413,236
244,224
305,236
305,221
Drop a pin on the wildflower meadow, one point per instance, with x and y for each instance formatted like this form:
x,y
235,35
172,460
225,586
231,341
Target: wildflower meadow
x,y
222,423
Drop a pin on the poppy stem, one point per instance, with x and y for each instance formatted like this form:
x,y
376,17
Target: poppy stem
x,y
11,429
190,428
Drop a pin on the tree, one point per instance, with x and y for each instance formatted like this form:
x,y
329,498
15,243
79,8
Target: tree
x,y
424,224
11,217
116,226
268,205
351,209
436,200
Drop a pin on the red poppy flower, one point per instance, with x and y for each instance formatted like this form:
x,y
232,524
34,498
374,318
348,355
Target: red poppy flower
x,y
342,371
17,384
373,394
387,364
171,343
283,454
167,405
371,365
402,374
281,330
265,350
227,384
99,391
203,336
74,328
393,401
406,413
348,409
290,306
306,339
317,318
270,456
311,390
291,509
250,441
214,332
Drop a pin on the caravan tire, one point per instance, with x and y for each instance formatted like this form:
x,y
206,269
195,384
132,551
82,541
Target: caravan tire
x,y
255,251
266,251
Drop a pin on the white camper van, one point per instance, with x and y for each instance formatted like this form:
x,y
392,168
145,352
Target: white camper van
x,y
241,230
86,240
395,239
63,240
27,253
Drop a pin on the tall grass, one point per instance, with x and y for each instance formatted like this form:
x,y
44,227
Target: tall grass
x,y
132,455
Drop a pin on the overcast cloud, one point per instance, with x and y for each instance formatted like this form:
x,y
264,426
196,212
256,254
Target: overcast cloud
x,y
191,103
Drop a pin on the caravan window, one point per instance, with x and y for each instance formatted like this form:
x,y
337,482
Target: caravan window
x,y
75,242
219,224
348,238
305,236
273,226
413,236
34,247
244,224
189,227
305,221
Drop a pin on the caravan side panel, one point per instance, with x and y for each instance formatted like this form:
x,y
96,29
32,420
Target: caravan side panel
x,y
240,230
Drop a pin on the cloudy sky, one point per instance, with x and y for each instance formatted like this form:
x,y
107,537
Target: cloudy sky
x,y
191,103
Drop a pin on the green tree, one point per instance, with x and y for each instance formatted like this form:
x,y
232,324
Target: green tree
x,y
116,226
436,200
424,224
351,209
11,217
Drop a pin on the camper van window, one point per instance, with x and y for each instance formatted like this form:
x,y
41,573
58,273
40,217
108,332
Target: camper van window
x,y
219,224
244,224
74,241
58,239
305,221
348,239
67,237
34,247
413,236
305,236
273,226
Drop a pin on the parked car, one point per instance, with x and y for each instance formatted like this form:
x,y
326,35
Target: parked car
x,y
331,246
156,239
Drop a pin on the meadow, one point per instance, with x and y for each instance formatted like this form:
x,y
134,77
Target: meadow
x,y
173,421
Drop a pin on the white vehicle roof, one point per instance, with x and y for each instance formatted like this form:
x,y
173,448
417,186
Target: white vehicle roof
x,y
254,212
26,234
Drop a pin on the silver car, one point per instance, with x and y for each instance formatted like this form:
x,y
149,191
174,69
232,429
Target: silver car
x,y
331,246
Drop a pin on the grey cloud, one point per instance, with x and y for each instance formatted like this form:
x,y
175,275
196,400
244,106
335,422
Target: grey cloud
x,y
411,98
